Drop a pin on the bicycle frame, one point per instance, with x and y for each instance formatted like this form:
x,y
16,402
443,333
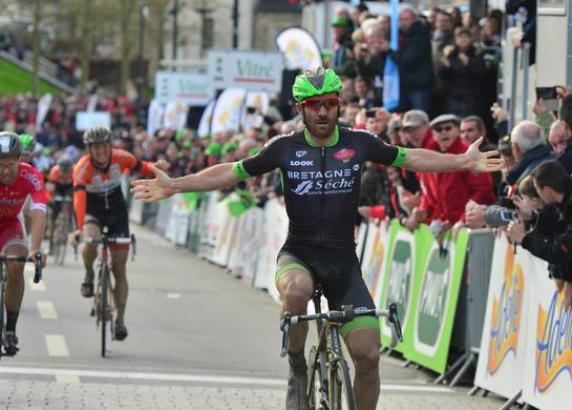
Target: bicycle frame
x,y
104,289
326,359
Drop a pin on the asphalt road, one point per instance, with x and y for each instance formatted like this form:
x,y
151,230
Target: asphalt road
x,y
198,339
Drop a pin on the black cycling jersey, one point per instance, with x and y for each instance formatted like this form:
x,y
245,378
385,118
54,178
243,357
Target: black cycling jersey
x,y
321,184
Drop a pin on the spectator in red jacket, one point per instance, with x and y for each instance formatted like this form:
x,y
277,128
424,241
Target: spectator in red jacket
x,y
445,195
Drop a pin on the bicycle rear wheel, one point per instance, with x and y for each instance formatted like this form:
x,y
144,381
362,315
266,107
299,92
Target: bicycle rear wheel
x,y
104,301
341,391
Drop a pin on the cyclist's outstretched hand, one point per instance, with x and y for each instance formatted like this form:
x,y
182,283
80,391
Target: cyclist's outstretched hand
x,y
151,190
478,161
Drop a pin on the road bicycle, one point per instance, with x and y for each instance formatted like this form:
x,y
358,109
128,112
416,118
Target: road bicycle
x,y
37,259
103,306
329,383
63,225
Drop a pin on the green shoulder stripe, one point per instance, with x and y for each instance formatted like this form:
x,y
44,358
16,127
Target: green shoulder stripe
x,y
401,157
239,171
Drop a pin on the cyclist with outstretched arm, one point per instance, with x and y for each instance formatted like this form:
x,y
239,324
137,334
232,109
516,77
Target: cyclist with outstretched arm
x,y
321,168
18,180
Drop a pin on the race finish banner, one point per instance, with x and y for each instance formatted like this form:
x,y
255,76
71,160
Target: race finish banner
x,y
399,280
254,71
501,362
300,49
435,304
192,89
227,110
548,360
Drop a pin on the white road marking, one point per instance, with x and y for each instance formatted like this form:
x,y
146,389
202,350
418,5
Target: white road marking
x,y
57,346
173,295
67,379
197,378
37,287
47,309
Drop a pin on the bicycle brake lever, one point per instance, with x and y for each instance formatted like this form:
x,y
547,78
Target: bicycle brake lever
x,y
394,320
38,266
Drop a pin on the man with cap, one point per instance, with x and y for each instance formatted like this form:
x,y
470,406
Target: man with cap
x,y
419,135
444,195
416,128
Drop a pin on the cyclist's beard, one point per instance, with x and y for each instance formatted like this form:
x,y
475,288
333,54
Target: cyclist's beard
x,y
321,134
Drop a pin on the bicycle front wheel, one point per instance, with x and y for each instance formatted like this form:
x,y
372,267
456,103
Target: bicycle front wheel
x,y
341,392
316,384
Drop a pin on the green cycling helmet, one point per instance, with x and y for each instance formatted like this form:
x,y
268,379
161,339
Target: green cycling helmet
x,y
316,82
28,143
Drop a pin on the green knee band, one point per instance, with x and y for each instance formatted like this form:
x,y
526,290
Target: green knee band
x,y
289,266
360,322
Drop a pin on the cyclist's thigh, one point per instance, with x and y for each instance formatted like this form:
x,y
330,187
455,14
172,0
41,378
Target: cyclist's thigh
x,y
351,290
12,233
363,343
15,249
293,274
119,256
91,229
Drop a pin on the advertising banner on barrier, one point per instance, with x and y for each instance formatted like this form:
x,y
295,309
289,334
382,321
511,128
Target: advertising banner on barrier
x,y
244,255
500,367
374,268
273,237
399,280
226,237
548,363
433,310
178,223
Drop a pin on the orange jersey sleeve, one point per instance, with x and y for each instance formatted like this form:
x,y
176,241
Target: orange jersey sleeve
x,y
128,161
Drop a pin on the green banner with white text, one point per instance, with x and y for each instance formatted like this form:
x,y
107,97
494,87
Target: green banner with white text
x,y
435,300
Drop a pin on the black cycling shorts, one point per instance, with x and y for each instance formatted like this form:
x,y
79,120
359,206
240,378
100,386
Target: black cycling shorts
x,y
117,223
338,272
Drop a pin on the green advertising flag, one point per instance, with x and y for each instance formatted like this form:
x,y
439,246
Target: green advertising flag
x,y
436,300
192,199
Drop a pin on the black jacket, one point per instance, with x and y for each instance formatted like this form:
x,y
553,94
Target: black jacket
x,y
556,246
463,83
530,160
414,58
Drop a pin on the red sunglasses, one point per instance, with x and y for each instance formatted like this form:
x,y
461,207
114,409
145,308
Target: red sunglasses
x,y
316,103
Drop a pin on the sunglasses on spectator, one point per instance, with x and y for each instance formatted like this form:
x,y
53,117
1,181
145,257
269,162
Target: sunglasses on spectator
x,y
443,128
315,104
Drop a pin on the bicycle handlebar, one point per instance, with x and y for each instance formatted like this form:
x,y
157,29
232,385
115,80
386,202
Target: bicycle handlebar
x,y
347,314
37,259
113,240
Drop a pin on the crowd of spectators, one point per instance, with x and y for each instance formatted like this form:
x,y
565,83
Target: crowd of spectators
x,y
447,64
